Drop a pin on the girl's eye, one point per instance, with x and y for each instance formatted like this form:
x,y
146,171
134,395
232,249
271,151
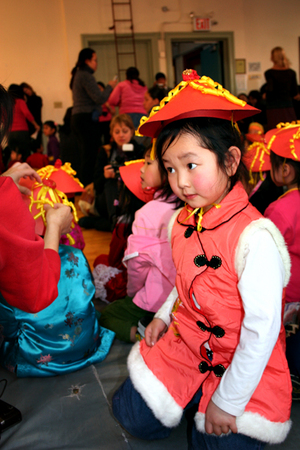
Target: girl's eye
x,y
192,166
170,169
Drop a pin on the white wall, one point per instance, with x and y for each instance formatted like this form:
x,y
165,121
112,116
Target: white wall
x,y
40,39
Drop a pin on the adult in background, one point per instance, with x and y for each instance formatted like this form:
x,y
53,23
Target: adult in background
x,y
34,104
129,96
19,136
281,89
87,101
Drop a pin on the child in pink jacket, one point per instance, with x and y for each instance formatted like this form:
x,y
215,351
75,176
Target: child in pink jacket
x,y
148,257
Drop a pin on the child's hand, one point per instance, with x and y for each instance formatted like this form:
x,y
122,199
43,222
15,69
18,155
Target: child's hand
x,y
154,331
109,172
218,421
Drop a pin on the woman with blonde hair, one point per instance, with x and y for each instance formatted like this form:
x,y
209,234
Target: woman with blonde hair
x,y
281,89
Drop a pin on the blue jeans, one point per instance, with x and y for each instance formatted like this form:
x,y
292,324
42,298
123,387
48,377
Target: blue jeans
x,y
137,418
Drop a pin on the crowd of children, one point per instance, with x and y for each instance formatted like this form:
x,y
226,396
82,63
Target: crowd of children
x,y
204,257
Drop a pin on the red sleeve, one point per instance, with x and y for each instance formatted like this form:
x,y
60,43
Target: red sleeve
x,y
26,111
29,274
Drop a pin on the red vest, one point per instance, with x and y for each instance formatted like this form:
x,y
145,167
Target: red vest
x,y
210,310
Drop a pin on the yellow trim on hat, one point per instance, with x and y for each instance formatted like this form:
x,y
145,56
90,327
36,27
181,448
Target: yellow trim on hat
x,y
127,163
260,147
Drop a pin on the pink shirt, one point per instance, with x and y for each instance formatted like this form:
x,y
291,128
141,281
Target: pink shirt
x,y
21,113
129,96
285,213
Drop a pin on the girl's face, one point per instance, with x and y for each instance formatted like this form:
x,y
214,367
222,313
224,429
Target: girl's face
x,y
122,134
150,175
48,131
149,102
194,174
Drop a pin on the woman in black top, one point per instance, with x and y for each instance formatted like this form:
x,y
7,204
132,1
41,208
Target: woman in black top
x,y
281,89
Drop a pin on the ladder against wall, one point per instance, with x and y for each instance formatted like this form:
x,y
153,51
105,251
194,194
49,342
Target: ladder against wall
x,y
124,36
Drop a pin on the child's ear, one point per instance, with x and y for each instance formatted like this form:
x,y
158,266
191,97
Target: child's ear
x,y
233,160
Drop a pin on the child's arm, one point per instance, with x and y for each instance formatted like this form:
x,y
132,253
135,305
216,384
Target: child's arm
x,y
161,321
260,285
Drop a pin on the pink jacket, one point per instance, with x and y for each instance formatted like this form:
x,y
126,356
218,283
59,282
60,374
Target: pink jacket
x,y
129,97
285,213
148,257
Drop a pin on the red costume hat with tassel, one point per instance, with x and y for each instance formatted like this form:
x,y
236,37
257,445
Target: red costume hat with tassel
x,y
284,140
195,97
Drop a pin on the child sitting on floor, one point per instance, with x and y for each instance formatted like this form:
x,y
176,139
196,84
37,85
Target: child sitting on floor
x,y
151,273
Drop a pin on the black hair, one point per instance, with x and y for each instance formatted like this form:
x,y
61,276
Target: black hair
x,y
132,73
160,75
101,84
26,85
278,161
216,135
6,112
165,189
255,94
84,54
157,92
51,124
128,205
16,91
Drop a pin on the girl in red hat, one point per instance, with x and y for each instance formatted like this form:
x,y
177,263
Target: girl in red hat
x,y
284,146
148,257
216,349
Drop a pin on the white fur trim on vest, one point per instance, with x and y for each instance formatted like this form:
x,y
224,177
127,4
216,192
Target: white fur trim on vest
x,y
155,394
243,246
255,426
164,312
171,222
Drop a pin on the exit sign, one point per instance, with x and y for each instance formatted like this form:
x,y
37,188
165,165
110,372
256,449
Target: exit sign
x,y
201,24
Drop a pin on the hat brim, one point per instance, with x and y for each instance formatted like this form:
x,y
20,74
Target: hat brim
x,y
131,177
286,142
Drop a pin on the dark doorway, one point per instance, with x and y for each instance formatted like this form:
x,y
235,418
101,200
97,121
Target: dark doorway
x,y
204,57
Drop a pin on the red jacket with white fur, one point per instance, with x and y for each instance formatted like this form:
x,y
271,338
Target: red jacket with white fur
x,y
210,311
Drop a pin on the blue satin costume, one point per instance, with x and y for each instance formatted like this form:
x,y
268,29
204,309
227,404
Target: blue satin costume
x,y
62,338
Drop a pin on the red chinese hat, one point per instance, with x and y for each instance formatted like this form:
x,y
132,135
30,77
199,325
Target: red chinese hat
x,y
131,176
255,132
41,194
257,159
195,97
63,175
284,140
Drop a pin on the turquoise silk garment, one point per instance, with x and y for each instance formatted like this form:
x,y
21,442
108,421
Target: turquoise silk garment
x,y
61,338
